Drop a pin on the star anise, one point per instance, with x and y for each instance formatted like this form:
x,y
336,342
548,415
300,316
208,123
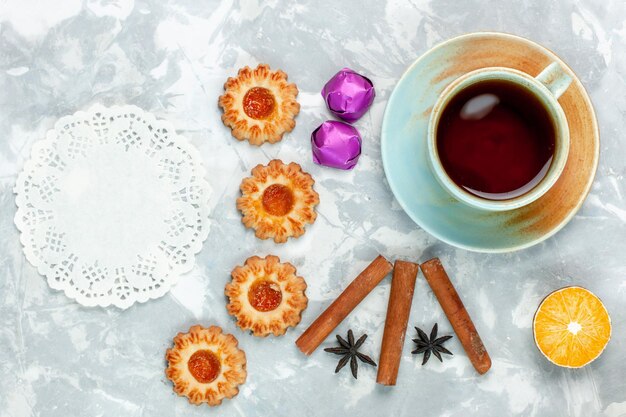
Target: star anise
x,y
349,350
432,344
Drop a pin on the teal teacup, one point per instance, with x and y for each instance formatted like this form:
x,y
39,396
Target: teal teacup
x,y
546,88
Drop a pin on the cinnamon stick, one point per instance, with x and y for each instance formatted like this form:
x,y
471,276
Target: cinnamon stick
x,y
457,314
343,305
398,309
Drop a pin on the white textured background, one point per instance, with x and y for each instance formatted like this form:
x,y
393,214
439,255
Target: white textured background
x,y
171,58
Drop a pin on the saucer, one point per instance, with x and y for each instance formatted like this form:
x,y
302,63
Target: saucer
x,y
405,153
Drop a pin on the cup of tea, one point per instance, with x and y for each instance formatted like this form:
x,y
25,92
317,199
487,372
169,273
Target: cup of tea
x,y
498,138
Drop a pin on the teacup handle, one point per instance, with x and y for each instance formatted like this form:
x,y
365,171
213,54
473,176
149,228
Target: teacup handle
x,y
555,79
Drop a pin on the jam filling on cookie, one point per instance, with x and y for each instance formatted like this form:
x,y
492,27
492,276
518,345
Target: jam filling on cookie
x,y
265,295
278,200
259,103
204,366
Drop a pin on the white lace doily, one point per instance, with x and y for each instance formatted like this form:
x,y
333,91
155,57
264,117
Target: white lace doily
x,y
112,206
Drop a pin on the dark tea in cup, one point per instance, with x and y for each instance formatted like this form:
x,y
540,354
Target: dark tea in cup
x,y
495,139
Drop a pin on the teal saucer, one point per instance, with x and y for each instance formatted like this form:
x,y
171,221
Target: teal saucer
x,y
405,153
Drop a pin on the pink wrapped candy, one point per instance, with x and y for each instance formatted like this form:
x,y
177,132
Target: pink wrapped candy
x,y
336,144
348,95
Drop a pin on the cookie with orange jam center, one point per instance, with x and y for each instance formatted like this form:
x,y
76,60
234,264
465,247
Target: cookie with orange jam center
x,y
259,105
278,200
206,365
266,296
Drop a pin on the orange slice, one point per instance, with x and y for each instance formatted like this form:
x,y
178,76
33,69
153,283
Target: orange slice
x,y
571,327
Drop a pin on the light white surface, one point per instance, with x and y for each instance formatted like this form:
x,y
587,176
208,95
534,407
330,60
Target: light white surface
x,y
112,206
172,58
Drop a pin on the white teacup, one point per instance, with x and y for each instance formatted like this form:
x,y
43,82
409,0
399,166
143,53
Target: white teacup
x,y
547,87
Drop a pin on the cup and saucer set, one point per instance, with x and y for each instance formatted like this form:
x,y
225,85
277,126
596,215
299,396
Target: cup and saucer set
x,y
415,163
